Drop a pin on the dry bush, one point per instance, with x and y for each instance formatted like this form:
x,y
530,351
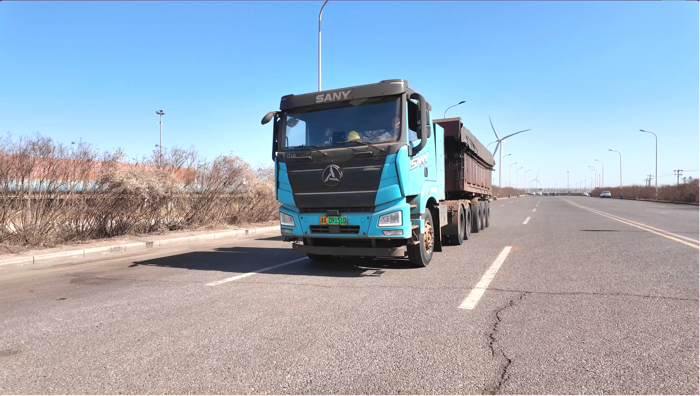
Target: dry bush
x,y
685,192
51,193
505,191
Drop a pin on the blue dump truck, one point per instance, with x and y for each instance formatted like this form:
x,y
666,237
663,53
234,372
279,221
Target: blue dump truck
x,y
365,171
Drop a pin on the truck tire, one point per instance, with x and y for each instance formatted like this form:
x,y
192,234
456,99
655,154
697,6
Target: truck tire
x,y
487,212
421,253
467,226
476,217
482,211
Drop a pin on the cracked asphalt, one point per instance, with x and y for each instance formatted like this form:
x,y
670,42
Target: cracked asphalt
x,y
583,303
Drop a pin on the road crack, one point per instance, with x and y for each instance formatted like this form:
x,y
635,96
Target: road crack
x,y
497,352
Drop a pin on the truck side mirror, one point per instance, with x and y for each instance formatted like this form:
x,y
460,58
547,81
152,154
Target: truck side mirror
x,y
422,118
275,130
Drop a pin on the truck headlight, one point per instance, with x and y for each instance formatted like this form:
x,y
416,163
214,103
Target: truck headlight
x,y
393,219
286,220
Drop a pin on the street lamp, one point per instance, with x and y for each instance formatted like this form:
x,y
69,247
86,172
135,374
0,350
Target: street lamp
x,y
445,113
656,161
595,177
160,154
526,179
620,154
516,177
510,181
602,175
319,45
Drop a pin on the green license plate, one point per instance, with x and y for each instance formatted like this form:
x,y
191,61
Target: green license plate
x,y
334,220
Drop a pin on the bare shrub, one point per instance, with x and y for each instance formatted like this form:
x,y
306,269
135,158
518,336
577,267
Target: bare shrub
x,y
505,191
684,192
52,193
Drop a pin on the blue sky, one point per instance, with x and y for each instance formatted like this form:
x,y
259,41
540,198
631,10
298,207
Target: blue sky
x,y
585,76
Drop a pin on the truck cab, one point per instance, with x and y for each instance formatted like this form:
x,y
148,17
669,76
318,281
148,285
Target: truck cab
x,y
359,171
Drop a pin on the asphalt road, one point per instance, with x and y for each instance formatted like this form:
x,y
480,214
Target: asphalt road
x,y
588,299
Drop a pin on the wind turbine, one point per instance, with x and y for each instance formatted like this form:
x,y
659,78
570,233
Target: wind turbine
x,y
537,180
499,144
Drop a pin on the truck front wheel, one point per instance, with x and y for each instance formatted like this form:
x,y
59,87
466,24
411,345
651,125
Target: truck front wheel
x,y
421,252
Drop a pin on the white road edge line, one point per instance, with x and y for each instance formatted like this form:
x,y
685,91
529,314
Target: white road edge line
x,y
480,288
526,220
534,210
237,277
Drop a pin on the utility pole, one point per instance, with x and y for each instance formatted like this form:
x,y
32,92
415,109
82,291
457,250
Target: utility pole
x,y
510,180
160,146
620,154
319,44
678,173
650,178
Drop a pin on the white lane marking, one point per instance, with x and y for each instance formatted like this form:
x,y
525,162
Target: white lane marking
x,y
655,211
526,220
510,202
537,205
534,209
480,288
503,205
237,277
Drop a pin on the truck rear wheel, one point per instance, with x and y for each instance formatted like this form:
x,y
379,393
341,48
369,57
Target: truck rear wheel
x,y
467,226
487,211
476,217
458,238
421,252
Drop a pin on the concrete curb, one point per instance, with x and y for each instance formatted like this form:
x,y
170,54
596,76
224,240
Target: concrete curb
x,y
69,255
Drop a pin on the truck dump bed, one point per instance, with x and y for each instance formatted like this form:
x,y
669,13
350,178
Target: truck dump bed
x,y
468,164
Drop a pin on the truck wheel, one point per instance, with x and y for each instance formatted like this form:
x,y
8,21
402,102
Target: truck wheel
x,y
467,225
476,217
482,212
459,238
487,214
421,253
319,258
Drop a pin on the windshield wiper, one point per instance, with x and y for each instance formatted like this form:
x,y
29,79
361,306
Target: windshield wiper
x,y
311,148
362,143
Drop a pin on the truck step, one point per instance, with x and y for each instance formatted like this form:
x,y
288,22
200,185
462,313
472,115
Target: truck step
x,y
414,206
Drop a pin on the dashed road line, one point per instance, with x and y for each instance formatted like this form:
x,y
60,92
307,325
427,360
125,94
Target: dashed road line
x,y
480,288
526,220
642,226
534,209
503,205
237,277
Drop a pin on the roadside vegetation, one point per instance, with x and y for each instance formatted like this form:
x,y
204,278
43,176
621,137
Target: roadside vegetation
x,y
503,192
684,192
53,193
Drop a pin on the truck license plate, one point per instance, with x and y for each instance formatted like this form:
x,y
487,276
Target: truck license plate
x,y
334,220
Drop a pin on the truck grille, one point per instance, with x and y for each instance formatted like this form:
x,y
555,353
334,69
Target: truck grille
x,y
367,209
328,229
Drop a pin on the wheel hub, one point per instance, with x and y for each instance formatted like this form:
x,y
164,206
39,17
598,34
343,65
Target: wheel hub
x,y
428,237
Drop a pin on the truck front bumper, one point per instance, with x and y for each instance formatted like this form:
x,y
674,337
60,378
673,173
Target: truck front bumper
x,y
351,251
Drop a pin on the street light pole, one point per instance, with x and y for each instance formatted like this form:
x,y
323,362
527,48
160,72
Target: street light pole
x,y
516,176
445,113
595,177
526,179
500,168
319,44
656,161
510,181
602,175
620,154
160,145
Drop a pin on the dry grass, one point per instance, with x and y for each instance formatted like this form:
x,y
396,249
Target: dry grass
x,y
686,192
52,193
502,192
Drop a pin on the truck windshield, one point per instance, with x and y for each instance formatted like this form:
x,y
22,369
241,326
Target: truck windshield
x,y
374,120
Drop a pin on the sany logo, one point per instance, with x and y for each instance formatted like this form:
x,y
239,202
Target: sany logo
x,y
329,97
419,160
